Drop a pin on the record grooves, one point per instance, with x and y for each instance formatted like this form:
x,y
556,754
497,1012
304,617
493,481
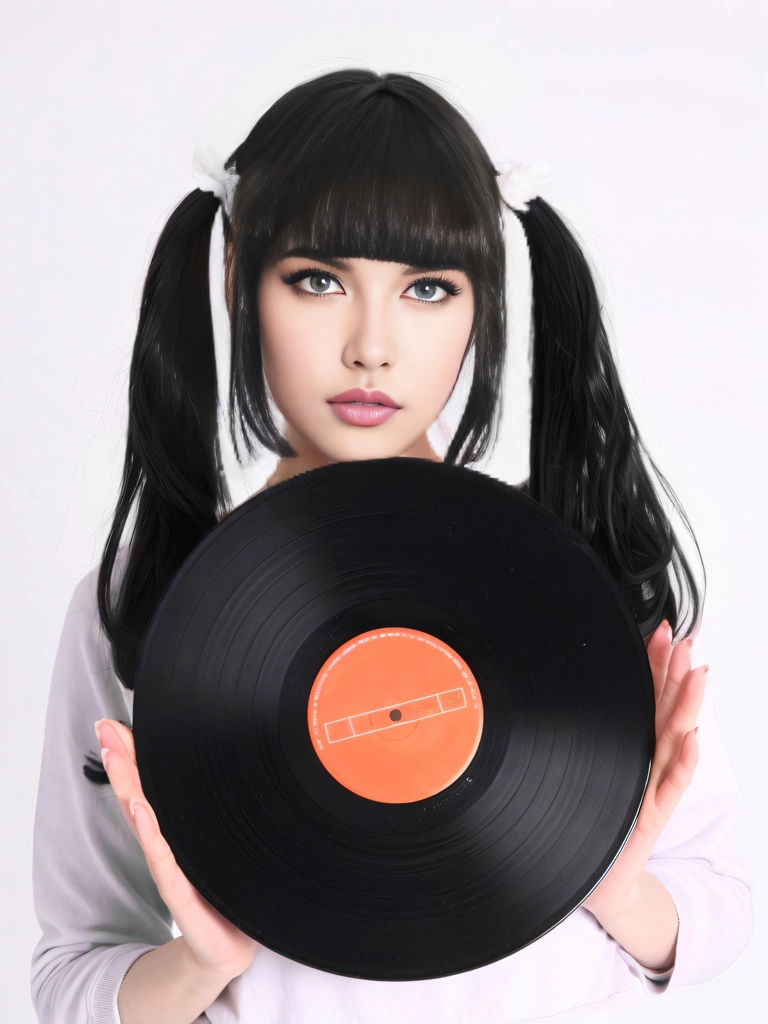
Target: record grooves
x,y
395,719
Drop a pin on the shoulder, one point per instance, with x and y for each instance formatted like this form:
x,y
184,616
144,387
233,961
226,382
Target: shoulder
x,y
84,684
85,593
83,628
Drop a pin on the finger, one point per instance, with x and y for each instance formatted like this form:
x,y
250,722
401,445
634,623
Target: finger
x,y
659,652
174,887
678,667
126,735
177,891
680,722
162,863
678,778
116,736
690,699
121,772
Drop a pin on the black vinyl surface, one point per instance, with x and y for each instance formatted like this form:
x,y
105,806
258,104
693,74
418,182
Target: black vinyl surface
x,y
304,865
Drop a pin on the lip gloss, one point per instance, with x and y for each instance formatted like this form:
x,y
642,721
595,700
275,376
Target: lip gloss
x,y
360,415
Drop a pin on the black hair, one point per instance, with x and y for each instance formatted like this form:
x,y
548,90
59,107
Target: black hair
x,y
358,164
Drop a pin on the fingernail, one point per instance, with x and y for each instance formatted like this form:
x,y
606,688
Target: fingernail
x,y
104,752
142,819
689,641
96,727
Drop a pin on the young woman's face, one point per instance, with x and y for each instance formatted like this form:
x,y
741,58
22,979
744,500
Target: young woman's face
x,y
329,326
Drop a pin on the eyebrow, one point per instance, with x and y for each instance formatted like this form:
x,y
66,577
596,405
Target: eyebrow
x,y
317,254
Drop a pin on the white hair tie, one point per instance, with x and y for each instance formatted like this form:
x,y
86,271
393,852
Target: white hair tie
x,y
210,174
519,183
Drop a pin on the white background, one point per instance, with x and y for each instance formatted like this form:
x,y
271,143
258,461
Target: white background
x,y
652,118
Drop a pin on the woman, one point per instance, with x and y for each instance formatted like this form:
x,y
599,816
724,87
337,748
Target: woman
x,y
364,250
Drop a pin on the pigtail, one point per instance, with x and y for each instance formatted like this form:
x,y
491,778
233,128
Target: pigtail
x,y
586,455
379,167
172,463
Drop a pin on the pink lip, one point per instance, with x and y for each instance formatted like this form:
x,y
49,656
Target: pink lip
x,y
358,395
362,415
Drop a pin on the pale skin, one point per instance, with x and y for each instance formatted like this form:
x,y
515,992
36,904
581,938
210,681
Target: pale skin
x,y
375,324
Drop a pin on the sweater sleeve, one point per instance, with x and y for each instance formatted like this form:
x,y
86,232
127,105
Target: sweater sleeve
x,y
701,869
95,899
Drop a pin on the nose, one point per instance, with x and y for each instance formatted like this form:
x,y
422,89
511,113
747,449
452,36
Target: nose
x,y
371,341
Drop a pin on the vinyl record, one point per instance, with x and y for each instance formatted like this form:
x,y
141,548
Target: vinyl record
x,y
395,719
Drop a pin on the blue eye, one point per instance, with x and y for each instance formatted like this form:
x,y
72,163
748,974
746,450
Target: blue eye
x,y
429,284
321,278
324,279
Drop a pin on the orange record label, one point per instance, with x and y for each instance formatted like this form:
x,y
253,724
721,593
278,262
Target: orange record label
x,y
395,715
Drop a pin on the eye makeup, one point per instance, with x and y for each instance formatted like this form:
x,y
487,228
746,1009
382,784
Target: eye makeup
x,y
443,282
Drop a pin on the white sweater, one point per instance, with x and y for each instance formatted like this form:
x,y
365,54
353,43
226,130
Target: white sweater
x,y
99,908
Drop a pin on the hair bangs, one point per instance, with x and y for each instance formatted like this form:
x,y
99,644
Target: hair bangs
x,y
381,186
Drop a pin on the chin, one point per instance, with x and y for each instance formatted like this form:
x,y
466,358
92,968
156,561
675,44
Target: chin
x,y
357,448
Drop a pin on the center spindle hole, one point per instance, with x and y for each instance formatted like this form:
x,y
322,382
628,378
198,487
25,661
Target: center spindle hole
x,y
395,715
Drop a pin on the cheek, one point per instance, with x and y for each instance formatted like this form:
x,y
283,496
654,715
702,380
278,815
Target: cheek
x,y
438,354
287,365
285,349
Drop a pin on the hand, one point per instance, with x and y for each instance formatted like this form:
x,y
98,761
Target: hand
x,y
216,945
679,691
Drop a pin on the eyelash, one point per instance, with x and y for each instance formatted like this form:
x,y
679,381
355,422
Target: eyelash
x,y
443,282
